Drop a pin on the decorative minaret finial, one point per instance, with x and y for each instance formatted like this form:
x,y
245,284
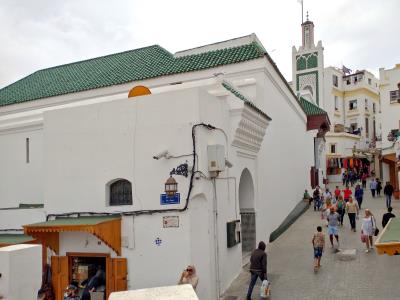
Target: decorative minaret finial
x,y
307,15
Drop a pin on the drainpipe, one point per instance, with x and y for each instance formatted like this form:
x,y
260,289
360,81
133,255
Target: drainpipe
x,y
216,239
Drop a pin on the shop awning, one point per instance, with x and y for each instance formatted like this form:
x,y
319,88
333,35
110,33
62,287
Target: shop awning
x,y
106,228
389,158
8,239
388,241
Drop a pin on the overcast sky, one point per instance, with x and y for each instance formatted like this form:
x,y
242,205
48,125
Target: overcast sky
x,y
36,34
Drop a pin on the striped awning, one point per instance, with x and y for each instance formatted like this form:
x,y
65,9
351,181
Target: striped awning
x,y
105,228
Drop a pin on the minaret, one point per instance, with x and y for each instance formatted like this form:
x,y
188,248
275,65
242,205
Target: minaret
x,y
307,29
308,66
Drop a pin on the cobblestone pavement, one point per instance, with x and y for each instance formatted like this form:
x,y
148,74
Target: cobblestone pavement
x,y
290,264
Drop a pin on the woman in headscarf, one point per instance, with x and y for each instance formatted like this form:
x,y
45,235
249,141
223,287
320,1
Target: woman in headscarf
x,y
94,282
189,276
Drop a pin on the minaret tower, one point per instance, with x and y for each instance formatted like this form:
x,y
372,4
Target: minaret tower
x,y
308,66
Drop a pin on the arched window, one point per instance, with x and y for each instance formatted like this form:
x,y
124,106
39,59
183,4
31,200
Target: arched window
x,y
121,192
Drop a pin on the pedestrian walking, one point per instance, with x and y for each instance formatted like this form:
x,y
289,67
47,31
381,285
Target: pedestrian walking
x,y
386,217
258,267
372,185
337,193
347,193
358,194
318,242
388,191
364,180
327,195
317,198
340,208
378,187
344,177
352,211
333,222
368,229
326,210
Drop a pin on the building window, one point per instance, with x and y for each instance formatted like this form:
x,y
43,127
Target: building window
x,y
121,192
366,104
352,104
335,80
354,128
333,148
366,127
336,103
369,81
395,96
374,107
374,128
27,150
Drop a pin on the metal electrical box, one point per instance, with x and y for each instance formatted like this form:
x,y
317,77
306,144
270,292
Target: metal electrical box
x,y
233,233
216,158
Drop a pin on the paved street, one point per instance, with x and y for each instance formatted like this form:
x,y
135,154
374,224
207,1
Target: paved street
x,y
290,264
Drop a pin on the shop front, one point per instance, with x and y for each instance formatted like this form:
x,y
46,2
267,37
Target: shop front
x,y
390,160
80,267
336,165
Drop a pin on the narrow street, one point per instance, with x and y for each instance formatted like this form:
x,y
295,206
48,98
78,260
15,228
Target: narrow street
x,y
290,263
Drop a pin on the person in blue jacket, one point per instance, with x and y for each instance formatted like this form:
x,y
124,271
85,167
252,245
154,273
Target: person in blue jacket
x,y
358,194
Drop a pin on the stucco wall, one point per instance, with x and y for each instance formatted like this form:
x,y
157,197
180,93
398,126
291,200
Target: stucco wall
x,y
20,182
15,218
18,281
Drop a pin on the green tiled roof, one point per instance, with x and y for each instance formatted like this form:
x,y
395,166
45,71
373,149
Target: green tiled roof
x,y
239,95
119,68
11,239
61,221
311,109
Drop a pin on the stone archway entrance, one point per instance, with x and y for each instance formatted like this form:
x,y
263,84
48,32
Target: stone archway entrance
x,y
247,212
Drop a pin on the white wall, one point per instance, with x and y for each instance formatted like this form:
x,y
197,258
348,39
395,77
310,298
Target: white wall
x,y
390,112
118,139
385,172
284,161
15,218
18,281
21,182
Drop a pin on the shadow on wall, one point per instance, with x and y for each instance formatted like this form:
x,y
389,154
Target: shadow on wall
x,y
299,209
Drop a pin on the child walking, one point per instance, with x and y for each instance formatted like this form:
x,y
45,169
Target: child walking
x,y
318,242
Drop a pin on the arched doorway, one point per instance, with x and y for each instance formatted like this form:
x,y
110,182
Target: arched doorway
x,y
247,212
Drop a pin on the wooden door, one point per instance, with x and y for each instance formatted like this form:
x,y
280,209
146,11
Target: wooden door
x,y
116,275
59,273
119,266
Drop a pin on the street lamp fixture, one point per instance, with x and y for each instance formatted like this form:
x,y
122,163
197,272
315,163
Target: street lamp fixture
x,y
171,186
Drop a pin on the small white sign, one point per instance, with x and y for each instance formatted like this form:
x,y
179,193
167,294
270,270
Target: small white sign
x,y
171,221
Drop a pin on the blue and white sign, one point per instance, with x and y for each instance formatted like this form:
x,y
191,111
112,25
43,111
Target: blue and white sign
x,y
166,200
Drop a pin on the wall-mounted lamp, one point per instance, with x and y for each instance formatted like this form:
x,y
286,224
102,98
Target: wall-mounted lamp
x,y
171,186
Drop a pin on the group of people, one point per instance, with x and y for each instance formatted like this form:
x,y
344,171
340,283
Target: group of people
x,y
376,188
334,206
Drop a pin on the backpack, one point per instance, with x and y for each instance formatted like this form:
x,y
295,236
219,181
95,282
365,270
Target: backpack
x,y
340,205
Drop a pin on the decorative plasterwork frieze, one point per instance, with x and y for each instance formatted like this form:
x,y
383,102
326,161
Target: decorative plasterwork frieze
x,y
250,130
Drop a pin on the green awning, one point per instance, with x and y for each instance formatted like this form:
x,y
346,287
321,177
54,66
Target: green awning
x,y
106,228
388,242
75,221
7,239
